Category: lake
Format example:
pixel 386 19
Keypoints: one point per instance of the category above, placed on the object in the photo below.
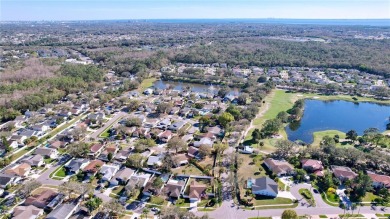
pixel 199 88
pixel 338 115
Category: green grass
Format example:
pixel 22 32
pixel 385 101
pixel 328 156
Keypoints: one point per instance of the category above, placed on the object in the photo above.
pixel 281 186
pixel 53 175
pixel 350 215
pixel 369 197
pixel 382 215
pixel 156 200
pixel 333 199
pixel 118 190
pixel 60 173
pixel 146 83
pixel 321 134
pixel 323 216
pixel 274 201
pixel 280 100
pixel 48 160
pixel 259 217
pixel 294 205
pixel 306 194
pixel 20 153
pixel 183 203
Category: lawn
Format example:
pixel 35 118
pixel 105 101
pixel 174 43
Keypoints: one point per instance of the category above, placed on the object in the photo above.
pixel 248 169
pixel 156 200
pixel 331 133
pixel 334 200
pixel 20 153
pixel 280 100
pixel 269 201
pixel 60 173
pixel 306 194
pixel 146 83
pixel 369 197
pixel 282 186
pixel 185 203
pixel 188 170
pixel 117 190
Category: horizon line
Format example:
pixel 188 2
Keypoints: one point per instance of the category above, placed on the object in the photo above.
pixel 127 19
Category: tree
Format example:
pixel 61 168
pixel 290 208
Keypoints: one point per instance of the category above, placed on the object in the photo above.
pixel 242 99
pixel 289 214
pixel 157 183
pixel 328 141
pixel 6 145
pixel 204 150
pixel 164 108
pixel 256 135
pixel 352 134
pixel 177 144
pixel 223 92
pixel 225 119
pixel 283 116
pixel 284 148
pixel 262 79
pixel 93 203
pixel 134 160
pixel 204 121
pixel 271 127
pixel 167 163
pixel 299 175
pixel 78 149
pixel 133 121
pixel 109 156
pixel 220 147
pixel 113 207
pixel 362 184
pixel 28 187
pixel 142 144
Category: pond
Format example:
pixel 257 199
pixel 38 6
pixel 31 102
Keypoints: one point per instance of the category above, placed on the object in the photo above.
pixel 199 88
pixel 338 115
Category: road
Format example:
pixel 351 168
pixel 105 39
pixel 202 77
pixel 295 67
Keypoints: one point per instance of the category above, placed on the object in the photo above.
pixel 95 135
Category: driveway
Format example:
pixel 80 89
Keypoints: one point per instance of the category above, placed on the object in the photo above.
pixel 317 196
pixel 96 134
pixel 45 179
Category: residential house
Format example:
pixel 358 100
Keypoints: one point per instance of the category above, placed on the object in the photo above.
pixel 263 186
pixel 35 160
pixel 27 212
pixel 95 150
pixel 8 179
pixel 139 180
pixel 165 136
pixel 379 181
pixel 93 167
pixel 197 191
pixel 122 155
pixel 122 176
pixel 149 190
pixel 40 128
pixel 155 160
pixel 42 199
pixel 110 149
pixel 57 144
pixel 177 126
pixel 279 167
pixel 164 124
pixel 75 165
pixel 108 171
pixel 18 138
pixel 216 130
pixel 193 152
pixel 11 143
pixel 313 166
pixel 343 173
pixel 174 188
pixel 246 150
pixel 63 211
pixel 29 133
pixel 21 170
pixel 204 141
pixel 47 152
pixel 180 160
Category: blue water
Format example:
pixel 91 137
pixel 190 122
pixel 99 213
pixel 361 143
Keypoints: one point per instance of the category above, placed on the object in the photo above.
pixel 339 115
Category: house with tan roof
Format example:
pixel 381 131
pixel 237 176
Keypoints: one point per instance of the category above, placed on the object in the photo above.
pixel 279 167
pixel 343 173
pixel 313 166
pixel 379 181
pixel 93 166
pixel 21 170
pixel 197 191
pixel 95 150
pixel 174 188
pixel 27 212
pixel 42 199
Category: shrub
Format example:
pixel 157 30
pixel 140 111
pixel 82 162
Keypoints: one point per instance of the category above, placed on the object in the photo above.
pixel 331 191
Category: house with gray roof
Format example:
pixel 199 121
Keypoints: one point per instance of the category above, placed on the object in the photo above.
pixel 63 211
pixel 263 186
pixel 75 165
pixel 108 171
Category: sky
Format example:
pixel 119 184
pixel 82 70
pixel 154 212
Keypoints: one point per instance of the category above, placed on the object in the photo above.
pixel 37 10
